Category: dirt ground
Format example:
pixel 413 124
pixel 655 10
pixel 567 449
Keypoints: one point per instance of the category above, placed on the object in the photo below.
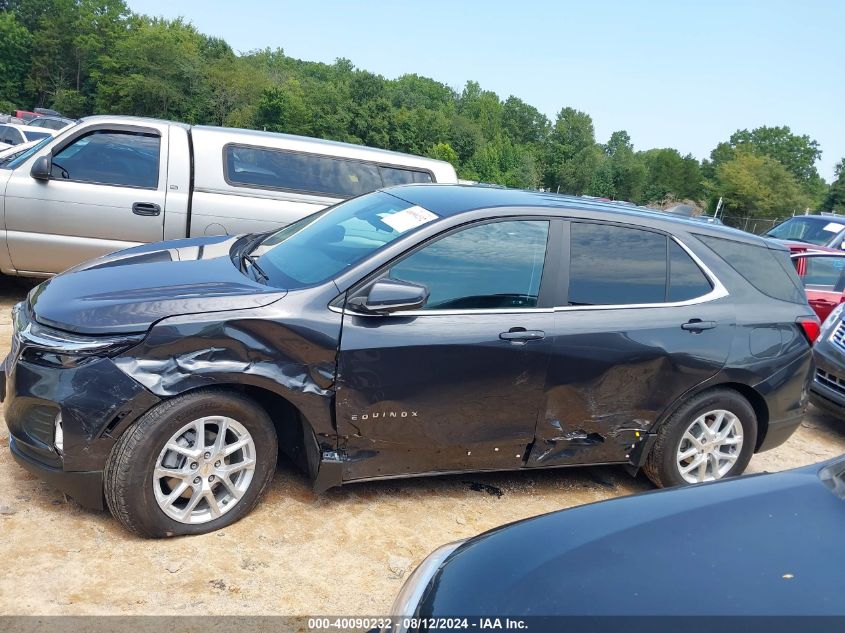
pixel 345 552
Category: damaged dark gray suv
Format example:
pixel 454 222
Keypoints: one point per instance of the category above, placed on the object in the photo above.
pixel 417 330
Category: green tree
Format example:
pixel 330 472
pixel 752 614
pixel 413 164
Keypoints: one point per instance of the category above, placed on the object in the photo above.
pixel 482 107
pixel 752 185
pixel 523 123
pixel 282 109
pixel 15 42
pixel 412 91
pixel 156 70
pixel 623 174
pixel 572 156
pixel 444 151
pixel 835 199
pixel 797 153
pixel 671 176
pixel 71 103
pixel 234 85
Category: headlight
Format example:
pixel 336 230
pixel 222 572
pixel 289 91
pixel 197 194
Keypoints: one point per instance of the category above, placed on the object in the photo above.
pixel 409 597
pixel 832 320
pixel 53 344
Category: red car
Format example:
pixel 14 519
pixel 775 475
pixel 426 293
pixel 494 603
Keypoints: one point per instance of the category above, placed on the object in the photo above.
pixel 810 233
pixel 823 276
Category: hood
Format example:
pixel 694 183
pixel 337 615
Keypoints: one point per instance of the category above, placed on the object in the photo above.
pixel 130 290
pixel 758 545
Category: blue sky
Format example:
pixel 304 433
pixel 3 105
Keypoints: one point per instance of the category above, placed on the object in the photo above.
pixel 676 73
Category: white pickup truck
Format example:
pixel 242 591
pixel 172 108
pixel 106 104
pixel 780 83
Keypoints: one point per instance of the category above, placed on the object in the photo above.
pixel 111 182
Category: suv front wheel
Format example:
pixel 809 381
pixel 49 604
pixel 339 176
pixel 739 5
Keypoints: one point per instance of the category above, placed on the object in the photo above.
pixel 710 437
pixel 191 465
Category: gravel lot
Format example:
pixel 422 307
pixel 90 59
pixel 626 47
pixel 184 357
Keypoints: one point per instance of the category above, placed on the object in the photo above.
pixel 345 552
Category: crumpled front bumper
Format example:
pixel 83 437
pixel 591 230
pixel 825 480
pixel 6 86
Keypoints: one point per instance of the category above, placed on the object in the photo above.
pixel 96 400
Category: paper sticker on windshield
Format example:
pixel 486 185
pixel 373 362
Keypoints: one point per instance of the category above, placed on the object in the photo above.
pixel 833 227
pixel 408 219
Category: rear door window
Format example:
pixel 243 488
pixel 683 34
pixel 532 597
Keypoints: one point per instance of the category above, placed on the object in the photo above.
pixel 613 265
pixel 686 280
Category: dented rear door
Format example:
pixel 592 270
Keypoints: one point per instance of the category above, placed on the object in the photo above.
pixel 623 350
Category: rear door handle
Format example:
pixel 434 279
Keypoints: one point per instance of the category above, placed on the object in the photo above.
pixel 146 208
pixel 521 335
pixel 697 325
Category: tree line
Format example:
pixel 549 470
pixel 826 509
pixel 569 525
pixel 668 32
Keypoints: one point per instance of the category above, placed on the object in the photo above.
pixel 97 56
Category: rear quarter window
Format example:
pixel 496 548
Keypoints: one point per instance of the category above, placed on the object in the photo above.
pixel 769 271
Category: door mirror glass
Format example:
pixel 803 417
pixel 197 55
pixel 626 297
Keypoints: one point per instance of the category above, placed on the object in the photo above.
pixel 41 168
pixel 390 295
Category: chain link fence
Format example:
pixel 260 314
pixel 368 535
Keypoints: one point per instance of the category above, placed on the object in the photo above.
pixel 758 226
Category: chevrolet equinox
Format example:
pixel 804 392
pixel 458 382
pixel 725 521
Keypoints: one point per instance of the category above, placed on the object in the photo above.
pixel 417 330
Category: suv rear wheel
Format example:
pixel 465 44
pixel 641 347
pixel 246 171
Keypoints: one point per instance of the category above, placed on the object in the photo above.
pixel 710 437
pixel 191 465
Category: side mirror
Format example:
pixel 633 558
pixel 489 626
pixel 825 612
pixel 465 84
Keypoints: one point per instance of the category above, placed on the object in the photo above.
pixel 390 295
pixel 42 168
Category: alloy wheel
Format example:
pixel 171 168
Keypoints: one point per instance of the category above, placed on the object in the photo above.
pixel 709 447
pixel 204 469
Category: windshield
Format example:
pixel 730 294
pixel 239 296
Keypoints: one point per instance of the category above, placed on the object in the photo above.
pixel 21 157
pixel 812 231
pixel 323 245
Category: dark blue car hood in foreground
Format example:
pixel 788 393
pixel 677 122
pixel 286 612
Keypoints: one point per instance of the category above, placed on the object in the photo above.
pixel 759 545
pixel 129 290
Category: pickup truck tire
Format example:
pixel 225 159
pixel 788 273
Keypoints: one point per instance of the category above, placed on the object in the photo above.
pixel 711 436
pixel 191 465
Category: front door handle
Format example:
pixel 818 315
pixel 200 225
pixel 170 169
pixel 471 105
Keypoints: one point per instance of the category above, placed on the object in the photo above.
pixel 146 208
pixel 697 325
pixel 521 335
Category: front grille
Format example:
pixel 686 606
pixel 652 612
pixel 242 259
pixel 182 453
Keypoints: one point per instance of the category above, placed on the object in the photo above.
pixel 838 336
pixel 830 381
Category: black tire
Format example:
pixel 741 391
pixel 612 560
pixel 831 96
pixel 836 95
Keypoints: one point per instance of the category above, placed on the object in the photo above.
pixel 661 466
pixel 128 475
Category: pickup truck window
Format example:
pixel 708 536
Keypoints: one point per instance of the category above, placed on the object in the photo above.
pixel 126 159
pixel 497 265
pixel 391 176
pixel 269 168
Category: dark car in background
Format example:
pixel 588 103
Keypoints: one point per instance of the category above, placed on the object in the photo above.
pixel 810 232
pixel 417 330
pixel 760 545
